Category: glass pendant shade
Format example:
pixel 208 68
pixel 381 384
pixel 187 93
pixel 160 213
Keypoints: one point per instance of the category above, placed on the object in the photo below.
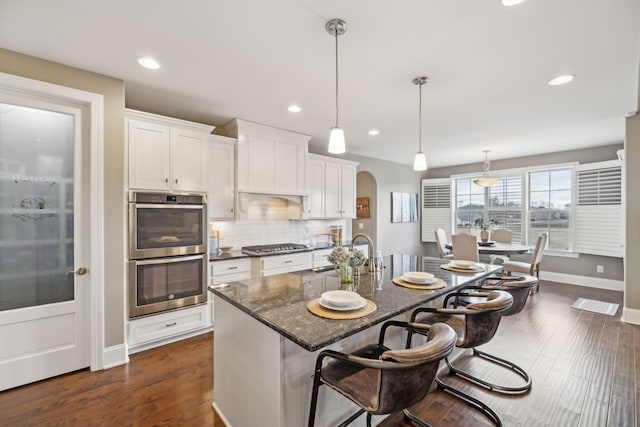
pixel 336 141
pixel 486 181
pixel 420 162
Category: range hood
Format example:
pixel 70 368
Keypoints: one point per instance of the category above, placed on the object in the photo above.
pixel 265 206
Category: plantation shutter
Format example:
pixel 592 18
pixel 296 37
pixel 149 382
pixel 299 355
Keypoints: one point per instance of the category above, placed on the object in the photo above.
pixel 436 207
pixel 599 228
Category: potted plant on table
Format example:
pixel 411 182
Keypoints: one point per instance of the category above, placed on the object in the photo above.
pixel 345 261
pixel 485 226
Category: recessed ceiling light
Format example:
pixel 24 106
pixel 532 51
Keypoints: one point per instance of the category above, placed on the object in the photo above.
pixel 373 132
pixel 294 109
pixel 561 80
pixel 149 63
pixel 511 2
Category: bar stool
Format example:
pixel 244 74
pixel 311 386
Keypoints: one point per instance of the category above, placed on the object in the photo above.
pixel 381 380
pixel 475 324
pixel 519 287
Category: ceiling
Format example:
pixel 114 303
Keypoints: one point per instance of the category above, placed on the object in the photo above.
pixel 487 66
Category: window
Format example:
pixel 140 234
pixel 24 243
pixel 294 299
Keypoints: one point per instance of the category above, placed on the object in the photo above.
pixel 550 207
pixel 527 202
pixel 470 203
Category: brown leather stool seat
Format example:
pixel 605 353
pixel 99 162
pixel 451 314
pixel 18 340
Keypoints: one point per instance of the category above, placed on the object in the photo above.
pixel 475 324
pixel 381 380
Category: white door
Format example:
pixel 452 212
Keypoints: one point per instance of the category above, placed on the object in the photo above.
pixel 44 323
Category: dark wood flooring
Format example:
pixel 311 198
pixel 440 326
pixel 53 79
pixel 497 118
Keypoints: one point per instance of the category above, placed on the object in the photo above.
pixel 583 367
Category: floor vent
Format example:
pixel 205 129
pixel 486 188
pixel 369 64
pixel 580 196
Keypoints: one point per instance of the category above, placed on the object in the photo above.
pixel 596 306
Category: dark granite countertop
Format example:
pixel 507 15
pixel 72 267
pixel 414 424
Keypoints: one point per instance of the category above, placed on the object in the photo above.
pixel 239 254
pixel 280 301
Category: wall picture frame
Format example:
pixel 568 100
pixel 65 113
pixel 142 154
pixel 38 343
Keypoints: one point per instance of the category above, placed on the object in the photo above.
pixel 404 207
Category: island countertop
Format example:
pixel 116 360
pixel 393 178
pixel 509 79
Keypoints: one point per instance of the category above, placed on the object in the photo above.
pixel 280 301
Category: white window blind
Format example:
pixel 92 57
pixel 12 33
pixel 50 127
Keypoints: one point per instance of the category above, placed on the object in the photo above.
pixel 436 207
pixel 598 212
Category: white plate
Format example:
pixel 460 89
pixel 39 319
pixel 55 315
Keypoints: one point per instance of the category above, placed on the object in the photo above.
pixel 463 264
pixel 340 298
pixel 355 306
pixel 418 276
pixel 429 281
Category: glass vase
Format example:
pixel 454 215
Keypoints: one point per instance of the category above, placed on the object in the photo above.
pixel 345 272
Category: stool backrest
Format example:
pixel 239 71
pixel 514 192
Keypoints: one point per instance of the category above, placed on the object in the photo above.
pixel 519 288
pixel 482 318
pixel 405 376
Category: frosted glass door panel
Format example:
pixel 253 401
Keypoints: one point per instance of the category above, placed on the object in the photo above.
pixel 36 207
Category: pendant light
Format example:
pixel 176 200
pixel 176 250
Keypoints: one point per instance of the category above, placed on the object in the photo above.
pixel 487 180
pixel 420 162
pixel 336 27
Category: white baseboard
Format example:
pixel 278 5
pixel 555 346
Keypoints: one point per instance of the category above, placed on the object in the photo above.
pixel 631 315
pixel 590 282
pixel 115 356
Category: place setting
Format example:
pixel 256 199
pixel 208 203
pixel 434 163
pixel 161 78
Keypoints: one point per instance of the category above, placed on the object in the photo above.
pixel 341 304
pixel 419 280
pixel 462 266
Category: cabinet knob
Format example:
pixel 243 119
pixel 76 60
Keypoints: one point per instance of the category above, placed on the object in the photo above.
pixel 166 180
pixel 176 180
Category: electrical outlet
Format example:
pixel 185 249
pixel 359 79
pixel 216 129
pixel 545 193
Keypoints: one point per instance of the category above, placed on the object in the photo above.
pixel 361 225
pixel 599 268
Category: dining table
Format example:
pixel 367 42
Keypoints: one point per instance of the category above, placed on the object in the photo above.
pixel 497 248
pixel 267 335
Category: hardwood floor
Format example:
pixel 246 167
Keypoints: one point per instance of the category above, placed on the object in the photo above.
pixel 583 367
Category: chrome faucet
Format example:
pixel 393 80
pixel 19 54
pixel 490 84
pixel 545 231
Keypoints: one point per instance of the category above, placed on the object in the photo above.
pixel 370 249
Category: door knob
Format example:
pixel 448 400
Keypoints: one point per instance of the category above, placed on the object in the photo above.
pixel 80 271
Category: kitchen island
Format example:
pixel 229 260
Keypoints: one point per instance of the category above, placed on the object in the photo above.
pixel 266 341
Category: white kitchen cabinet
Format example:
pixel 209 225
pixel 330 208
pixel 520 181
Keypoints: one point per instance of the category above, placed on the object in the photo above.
pixel 331 184
pixel 269 160
pixel 166 154
pixel 320 257
pixel 221 188
pixel 230 270
pixel 278 264
pixel 159 329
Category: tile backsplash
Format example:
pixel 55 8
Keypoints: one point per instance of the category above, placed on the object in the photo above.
pixel 266 231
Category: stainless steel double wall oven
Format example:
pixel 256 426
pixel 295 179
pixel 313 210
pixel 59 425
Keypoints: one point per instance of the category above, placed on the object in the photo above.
pixel 167 251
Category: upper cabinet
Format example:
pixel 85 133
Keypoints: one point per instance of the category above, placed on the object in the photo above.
pixel 166 154
pixel 221 195
pixel 331 184
pixel 269 160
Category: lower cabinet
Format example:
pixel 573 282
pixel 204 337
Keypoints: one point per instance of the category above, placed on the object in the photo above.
pixel 230 270
pixel 163 328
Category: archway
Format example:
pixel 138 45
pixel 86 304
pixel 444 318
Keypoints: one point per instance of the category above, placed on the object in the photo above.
pixel 366 220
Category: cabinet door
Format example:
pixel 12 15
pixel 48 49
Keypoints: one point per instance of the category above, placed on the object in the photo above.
pixel 348 187
pixel 289 167
pixel 189 154
pixel 149 155
pixel 333 202
pixel 221 182
pixel 315 187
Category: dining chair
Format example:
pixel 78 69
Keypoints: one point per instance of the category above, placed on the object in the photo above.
pixel 441 240
pixel 532 267
pixel 475 324
pixel 500 235
pixel 465 247
pixel 380 380
pixel 519 287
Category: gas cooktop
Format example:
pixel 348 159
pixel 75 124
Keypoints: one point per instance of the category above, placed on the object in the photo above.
pixel 278 248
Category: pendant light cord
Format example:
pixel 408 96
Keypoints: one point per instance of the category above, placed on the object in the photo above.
pixel 336 35
pixel 420 121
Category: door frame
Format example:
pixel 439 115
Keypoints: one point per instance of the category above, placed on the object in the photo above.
pixel 92 105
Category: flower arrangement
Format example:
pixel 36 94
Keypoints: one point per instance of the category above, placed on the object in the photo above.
pixel 485 225
pixel 342 256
